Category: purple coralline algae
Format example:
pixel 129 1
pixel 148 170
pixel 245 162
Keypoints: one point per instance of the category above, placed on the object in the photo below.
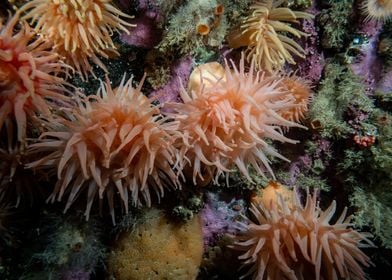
pixel 146 34
pixel 180 71
pixel 219 217
pixel 369 65
pixel 311 67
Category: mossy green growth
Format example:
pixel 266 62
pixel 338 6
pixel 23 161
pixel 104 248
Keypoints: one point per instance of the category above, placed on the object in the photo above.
pixel 335 23
pixel 367 172
pixel 182 31
pixel 339 89
pixel 299 4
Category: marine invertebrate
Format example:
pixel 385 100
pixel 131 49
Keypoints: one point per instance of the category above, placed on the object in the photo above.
pixel 80 30
pixel 300 90
pixel 298 242
pixel 113 142
pixel 28 77
pixel 141 254
pixel 377 9
pixel 263 35
pixel 227 120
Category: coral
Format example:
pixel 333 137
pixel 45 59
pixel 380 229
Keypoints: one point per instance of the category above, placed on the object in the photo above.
pixel 377 9
pixel 80 30
pixel 263 35
pixel 29 85
pixel 158 249
pixel 299 242
pixel 183 31
pixel 113 142
pixel 227 122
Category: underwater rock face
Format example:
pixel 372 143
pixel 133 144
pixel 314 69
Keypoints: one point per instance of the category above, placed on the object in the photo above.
pixel 158 249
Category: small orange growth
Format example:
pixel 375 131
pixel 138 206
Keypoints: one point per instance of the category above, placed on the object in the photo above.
pixel 364 141
pixel 219 10
pixel 203 29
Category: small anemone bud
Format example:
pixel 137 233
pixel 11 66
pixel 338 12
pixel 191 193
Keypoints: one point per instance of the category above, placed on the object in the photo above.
pixel 269 195
pixel 205 75
pixel 219 10
pixel 203 29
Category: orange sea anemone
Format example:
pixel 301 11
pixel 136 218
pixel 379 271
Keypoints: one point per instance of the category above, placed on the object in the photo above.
pixel 286 241
pixel 114 142
pixel 264 34
pixel 28 81
pixel 227 120
pixel 302 93
pixel 377 9
pixel 79 29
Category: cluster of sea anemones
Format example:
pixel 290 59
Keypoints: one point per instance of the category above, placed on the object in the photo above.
pixel 287 240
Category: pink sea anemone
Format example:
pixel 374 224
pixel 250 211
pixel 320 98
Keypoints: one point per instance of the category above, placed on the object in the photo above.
pixel 28 77
pixel 115 142
pixel 229 118
pixel 286 240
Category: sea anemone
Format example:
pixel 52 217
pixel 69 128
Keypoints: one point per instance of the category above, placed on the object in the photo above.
pixel 289 241
pixel 15 180
pixel 377 9
pixel 79 29
pixel 264 34
pixel 300 89
pixel 113 142
pixel 227 120
pixel 28 77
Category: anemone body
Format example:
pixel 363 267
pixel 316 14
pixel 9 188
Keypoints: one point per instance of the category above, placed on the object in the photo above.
pixel 289 241
pixel 113 142
pixel 300 89
pixel 264 34
pixel 28 77
pixel 227 119
pixel 79 29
